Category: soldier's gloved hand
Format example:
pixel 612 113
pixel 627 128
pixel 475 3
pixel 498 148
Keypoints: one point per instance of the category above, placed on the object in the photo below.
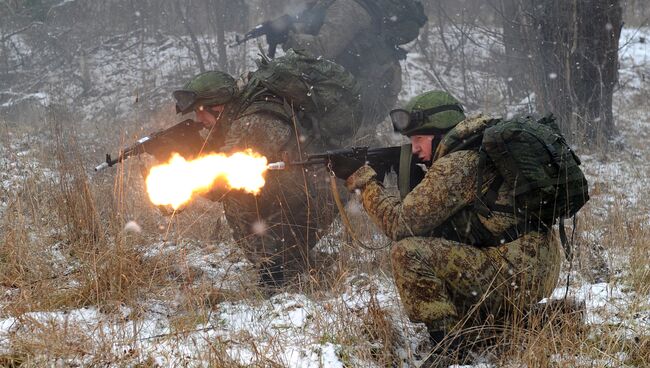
pixel 343 166
pixel 360 178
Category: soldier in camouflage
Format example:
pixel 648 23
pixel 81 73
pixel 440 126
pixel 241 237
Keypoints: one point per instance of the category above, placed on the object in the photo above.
pixel 454 267
pixel 277 227
pixel 364 37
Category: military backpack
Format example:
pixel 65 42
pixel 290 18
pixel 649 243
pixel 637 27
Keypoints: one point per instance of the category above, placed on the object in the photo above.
pixel 533 158
pixel 323 93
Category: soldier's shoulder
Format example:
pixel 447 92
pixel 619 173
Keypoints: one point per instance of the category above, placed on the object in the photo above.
pixel 350 8
pixel 470 156
pixel 260 116
pixel 466 135
pixel 473 123
pixel 463 161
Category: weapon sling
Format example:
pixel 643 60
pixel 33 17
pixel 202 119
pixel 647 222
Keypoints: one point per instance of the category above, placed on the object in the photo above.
pixel 344 215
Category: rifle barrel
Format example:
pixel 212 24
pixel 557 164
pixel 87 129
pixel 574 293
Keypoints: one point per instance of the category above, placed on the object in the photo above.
pixel 101 166
pixel 280 165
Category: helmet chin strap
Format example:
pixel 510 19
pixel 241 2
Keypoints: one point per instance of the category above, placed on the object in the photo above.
pixel 435 142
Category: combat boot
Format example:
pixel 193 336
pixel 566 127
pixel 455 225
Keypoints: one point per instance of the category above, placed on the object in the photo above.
pixel 447 349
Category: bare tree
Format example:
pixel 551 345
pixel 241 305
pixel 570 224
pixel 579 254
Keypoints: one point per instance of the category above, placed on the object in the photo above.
pixel 566 52
pixel 221 7
pixel 196 47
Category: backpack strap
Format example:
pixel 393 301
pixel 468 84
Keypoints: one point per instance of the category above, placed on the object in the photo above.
pixel 564 239
pixel 486 204
pixel 404 177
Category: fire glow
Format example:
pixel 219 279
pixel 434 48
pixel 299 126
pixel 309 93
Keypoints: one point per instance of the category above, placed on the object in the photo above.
pixel 174 182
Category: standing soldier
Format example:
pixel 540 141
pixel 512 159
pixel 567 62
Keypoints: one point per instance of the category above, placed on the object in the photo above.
pixel 363 36
pixel 291 105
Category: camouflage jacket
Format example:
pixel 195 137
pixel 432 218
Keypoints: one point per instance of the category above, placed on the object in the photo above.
pixel 442 203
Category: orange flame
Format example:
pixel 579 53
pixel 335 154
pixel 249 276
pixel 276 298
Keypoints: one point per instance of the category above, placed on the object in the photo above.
pixel 174 182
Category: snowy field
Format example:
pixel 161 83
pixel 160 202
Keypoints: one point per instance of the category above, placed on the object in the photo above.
pixel 201 318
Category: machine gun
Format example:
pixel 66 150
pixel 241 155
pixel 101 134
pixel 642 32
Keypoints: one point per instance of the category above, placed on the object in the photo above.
pixel 276 32
pixel 183 138
pixel 382 160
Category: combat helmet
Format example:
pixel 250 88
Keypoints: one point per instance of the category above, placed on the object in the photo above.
pixel 433 112
pixel 206 89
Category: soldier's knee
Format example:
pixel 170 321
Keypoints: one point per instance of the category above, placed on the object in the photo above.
pixel 403 251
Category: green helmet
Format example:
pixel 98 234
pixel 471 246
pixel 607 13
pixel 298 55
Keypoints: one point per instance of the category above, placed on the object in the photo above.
pixel 429 113
pixel 207 89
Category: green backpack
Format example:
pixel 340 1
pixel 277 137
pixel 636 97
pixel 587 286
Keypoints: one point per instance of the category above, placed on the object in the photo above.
pixel 323 92
pixel 533 158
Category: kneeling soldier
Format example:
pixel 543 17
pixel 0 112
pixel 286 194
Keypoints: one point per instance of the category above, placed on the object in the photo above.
pixel 454 265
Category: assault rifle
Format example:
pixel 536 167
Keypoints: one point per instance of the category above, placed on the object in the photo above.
pixel 382 160
pixel 183 138
pixel 276 32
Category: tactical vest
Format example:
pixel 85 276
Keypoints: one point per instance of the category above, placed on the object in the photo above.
pixel 527 156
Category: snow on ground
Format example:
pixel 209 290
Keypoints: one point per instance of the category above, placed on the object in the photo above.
pixel 619 182
pixel 288 329
pixel 140 77
pixel 634 57
pixel 18 163
pixel 293 329
pixel 607 303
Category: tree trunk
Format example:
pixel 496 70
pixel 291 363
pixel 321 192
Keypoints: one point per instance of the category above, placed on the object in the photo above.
pixel 566 51
pixel 195 42
pixel 221 9
pixel 595 66
pixel 515 50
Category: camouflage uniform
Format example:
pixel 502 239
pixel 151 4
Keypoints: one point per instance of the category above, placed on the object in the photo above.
pixel 440 277
pixel 277 227
pixel 349 37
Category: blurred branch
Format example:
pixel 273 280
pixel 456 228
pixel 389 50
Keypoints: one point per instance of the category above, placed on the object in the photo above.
pixel 11 10
pixel 21 30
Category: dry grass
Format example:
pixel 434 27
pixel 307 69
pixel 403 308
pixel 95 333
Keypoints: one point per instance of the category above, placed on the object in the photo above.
pixel 63 246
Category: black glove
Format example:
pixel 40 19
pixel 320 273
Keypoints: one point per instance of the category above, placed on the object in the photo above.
pixel 344 166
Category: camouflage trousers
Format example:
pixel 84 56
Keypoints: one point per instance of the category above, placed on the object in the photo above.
pixel 277 228
pixel 442 282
